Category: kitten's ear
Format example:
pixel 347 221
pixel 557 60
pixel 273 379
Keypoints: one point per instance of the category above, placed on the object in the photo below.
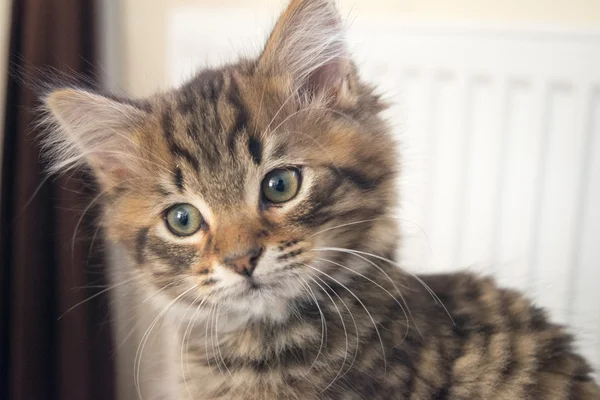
pixel 87 127
pixel 308 45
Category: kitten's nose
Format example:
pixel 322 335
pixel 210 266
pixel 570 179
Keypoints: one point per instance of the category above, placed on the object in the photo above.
pixel 244 264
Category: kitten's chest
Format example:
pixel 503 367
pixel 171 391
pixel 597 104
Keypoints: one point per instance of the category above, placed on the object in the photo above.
pixel 250 365
pixel 216 382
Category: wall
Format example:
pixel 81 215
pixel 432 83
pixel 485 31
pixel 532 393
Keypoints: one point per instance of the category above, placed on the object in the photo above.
pixel 144 24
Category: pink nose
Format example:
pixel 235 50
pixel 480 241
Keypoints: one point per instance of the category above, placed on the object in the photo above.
pixel 245 264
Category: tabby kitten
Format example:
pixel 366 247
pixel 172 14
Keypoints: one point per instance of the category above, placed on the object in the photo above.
pixel 256 203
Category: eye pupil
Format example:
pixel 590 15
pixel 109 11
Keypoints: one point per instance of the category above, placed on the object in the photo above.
pixel 277 184
pixel 182 217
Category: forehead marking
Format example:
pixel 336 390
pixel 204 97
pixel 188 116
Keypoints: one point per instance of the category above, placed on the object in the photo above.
pixel 175 148
pixel 255 149
pixel 179 179
pixel 242 117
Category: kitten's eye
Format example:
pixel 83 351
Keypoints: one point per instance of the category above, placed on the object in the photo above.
pixel 281 185
pixel 183 219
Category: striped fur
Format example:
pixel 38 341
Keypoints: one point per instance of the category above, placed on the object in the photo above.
pixel 327 313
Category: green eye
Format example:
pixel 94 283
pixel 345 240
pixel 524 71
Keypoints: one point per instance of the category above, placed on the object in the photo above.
pixel 281 185
pixel 183 219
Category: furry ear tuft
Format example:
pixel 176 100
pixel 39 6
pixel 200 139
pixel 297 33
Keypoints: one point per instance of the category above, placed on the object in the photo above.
pixel 85 127
pixel 308 44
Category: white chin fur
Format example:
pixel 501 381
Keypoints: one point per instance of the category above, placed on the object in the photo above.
pixel 237 308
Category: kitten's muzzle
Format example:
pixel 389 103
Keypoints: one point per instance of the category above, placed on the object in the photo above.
pixel 244 264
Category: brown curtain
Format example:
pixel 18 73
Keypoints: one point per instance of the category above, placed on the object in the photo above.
pixel 42 273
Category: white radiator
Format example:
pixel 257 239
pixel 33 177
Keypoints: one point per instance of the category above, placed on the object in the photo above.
pixel 500 131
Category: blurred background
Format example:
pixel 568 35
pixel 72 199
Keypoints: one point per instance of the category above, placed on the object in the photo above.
pixel 496 104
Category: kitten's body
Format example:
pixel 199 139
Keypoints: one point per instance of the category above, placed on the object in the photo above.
pixel 296 298
pixel 498 346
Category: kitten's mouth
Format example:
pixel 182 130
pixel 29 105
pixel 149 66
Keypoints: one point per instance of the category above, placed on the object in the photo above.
pixel 249 286
pixel 252 284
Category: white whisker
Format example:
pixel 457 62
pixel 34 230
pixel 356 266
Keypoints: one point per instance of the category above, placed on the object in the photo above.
pixel 345 333
pixel 185 344
pixel 363 306
pixel 431 292
pixel 140 350
pixel 353 321
pixel 323 324
pixel 94 296
pixel 378 219
pixel 379 286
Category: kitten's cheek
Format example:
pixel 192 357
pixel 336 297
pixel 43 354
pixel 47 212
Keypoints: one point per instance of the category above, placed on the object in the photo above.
pixel 201 269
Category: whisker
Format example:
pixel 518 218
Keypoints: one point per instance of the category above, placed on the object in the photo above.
pixel 352 252
pixel 378 219
pixel 213 330
pixel 186 372
pixel 353 321
pixel 92 243
pixel 94 296
pixel 219 353
pixel 323 324
pixel 208 322
pixel 127 336
pixel 134 327
pixel 429 290
pixel 363 306
pixel 379 286
pixel 312 108
pixel 292 95
pixel 345 333
pixel 35 192
pixel 144 340
pixel 177 282
pixel 181 352
pixel 344 225
pixel 291 116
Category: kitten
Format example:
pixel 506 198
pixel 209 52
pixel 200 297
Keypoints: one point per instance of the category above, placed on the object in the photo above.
pixel 256 201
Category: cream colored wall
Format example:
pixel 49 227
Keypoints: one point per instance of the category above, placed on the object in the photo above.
pixel 144 31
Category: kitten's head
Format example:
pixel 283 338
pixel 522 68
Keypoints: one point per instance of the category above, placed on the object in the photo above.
pixel 235 188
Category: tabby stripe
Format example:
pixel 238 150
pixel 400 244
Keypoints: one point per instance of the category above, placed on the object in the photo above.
pixel 442 394
pixel 242 118
pixel 215 87
pixel 446 352
pixel 179 179
pixel 357 178
pixel 509 366
pixel 193 130
pixel 175 255
pixel 187 156
pixel 174 147
pixel 208 148
pixel 317 217
pixel 140 243
pixel 255 149
pixel 162 191
pixel 289 358
pixel 187 101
